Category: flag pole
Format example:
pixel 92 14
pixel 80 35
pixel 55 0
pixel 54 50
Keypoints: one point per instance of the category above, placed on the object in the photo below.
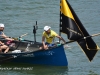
pixel 60 22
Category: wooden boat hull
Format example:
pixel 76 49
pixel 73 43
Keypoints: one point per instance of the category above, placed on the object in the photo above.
pixel 53 57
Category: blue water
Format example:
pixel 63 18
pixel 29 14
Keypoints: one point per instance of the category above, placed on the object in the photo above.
pixel 19 16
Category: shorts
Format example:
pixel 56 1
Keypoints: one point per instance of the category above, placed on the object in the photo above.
pixel 50 44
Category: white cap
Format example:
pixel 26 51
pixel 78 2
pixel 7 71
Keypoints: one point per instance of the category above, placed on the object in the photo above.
pixel 2 25
pixel 46 28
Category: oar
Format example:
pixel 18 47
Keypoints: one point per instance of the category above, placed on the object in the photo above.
pixel 16 38
pixel 24 35
pixel 83 38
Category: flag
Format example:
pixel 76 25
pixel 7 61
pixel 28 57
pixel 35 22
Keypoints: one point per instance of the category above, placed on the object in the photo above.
pixel 72 26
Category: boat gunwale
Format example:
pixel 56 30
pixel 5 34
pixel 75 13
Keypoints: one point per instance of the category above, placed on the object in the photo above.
pixel 29 51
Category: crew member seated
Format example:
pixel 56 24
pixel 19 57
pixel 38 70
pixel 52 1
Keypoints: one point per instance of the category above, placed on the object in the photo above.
pixel 3 47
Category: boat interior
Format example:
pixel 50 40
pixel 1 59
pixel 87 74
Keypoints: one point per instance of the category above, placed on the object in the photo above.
pixel 23 46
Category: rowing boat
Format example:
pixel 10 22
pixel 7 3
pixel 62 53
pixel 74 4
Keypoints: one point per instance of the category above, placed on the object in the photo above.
pixel 28 52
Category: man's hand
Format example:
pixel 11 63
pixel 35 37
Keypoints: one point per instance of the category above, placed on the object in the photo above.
pixel 45 47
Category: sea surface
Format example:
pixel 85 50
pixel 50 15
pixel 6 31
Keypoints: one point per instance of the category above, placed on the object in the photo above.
pixel 19 17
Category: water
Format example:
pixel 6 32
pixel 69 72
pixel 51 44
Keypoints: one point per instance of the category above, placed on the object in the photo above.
pixel 19 16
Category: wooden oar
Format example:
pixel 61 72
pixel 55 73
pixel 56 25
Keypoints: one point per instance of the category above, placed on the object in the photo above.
pixel 16 38
pixel 83 38
pixel 24 35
